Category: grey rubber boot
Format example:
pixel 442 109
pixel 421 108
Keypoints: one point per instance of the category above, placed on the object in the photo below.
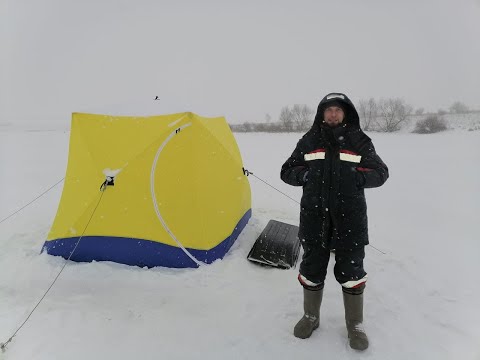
pixel 354 317
pixel 311 318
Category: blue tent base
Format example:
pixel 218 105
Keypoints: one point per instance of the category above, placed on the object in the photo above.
pixel 139 252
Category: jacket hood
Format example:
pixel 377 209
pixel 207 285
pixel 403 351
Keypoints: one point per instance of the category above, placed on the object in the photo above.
pixel 351 115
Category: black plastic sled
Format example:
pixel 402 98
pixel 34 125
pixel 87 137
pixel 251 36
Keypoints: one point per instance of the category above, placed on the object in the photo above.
pixel 277 246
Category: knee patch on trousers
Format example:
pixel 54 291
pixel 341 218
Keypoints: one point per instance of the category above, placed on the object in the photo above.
pixel 309 285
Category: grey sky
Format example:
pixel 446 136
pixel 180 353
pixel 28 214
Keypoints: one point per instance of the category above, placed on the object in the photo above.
pixel 240 59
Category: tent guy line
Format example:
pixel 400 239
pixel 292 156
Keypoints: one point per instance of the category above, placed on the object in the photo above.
pixel 31 202
pixel 247 172
pixel 3 346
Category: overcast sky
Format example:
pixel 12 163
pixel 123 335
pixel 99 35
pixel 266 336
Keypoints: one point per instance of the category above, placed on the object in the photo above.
pixel 239 59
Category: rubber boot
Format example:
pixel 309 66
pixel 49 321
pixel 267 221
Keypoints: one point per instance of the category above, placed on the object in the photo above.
pixel 353 301
pixel 312 299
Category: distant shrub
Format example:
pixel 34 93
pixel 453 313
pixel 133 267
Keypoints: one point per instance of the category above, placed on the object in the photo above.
pixel 459 108
pixel 431 124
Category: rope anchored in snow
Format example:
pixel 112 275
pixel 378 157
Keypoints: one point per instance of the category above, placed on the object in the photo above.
pixel 247 173
pixel 3 346
pixel 31 202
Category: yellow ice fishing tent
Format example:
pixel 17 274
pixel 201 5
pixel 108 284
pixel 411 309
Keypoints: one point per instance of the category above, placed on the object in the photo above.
pixel 164 190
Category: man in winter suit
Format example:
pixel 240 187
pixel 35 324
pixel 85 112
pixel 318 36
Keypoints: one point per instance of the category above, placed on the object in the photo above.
pixel 334 162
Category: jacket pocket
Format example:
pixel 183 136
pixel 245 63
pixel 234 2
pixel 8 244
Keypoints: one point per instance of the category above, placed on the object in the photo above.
pixel 349 179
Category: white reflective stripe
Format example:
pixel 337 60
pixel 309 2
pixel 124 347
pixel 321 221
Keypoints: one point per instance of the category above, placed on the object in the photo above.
pixel 152 190
pixel 315 156
pixel 353 283
pixel 350 157
pixel 308 282
pixel 335 96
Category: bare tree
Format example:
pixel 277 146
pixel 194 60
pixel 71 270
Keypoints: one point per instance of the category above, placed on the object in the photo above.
pixel 368 111
pixel 308 114
pixel 302 116
pixel 286 118
pixel 267 118
pixel 459 108
pixel 393 113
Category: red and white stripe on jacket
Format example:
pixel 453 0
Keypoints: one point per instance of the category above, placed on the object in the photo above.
pixel 350 156
pixel 318 154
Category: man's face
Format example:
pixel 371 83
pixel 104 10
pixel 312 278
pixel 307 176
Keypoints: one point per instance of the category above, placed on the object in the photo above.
pixel 333 116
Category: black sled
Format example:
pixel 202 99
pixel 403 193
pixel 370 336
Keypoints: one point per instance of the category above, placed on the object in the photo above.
pixel 277 246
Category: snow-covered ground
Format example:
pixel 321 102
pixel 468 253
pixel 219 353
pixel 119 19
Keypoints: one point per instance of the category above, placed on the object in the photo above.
pixel 422 297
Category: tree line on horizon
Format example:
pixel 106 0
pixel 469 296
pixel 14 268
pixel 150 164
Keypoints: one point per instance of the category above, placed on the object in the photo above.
pixel 384 115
